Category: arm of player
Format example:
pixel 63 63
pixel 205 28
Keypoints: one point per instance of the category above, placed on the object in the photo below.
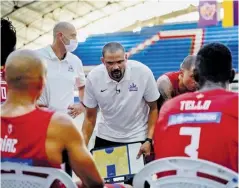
pixel 165 89
pixel 80 158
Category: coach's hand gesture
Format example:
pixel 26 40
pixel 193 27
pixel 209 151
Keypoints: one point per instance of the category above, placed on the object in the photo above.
pixel 75 110
pixel 144 149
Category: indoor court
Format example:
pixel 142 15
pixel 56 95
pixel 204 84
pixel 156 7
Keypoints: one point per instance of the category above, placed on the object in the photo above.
pixel 118 62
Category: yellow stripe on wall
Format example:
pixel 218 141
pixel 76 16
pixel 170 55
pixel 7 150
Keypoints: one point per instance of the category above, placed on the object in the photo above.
pixel 227 20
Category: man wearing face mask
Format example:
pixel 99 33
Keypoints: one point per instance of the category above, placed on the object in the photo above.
pixel 126 93
pixel 64 72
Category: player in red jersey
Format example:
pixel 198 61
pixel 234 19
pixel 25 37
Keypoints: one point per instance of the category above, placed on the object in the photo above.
pixel 8 44
pixel 172 84
pixel 203 124
pixel 38 137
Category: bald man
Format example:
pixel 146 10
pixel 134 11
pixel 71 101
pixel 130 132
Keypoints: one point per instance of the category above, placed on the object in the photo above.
pixel 25 76
pixel 65 72
pixel 172 84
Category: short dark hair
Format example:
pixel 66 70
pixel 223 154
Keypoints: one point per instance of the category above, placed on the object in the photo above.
pixel 8 39
pixel 214 63
pixel 112 47
pixel 188 62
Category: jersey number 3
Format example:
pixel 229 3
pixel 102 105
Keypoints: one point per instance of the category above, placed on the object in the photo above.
pixel 194 132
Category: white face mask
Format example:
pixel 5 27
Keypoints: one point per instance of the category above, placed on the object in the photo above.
pixel 72 46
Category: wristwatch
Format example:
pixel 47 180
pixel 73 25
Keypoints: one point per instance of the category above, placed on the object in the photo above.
pixel 149 140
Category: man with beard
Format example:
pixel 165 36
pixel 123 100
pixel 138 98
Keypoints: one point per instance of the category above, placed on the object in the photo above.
pixel 126 93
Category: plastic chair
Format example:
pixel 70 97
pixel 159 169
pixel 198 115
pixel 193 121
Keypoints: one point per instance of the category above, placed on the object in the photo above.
pixel 186 174
pixel 20 179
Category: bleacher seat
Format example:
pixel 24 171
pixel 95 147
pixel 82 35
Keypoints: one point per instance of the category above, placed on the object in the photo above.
pixel 186 174
pixel 29 177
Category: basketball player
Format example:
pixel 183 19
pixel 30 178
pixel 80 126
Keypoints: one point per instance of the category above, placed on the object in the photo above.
pixel 35 136
pixel 172 84
pixel 203 124
pixel 8 43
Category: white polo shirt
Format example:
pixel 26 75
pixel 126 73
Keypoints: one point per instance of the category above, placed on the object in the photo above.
pixel 124 111
pixel 62 79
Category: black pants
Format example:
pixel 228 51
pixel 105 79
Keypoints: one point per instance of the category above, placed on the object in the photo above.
pixel 102 143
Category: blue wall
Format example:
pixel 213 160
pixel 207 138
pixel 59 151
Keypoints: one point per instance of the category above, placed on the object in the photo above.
pixel 165 54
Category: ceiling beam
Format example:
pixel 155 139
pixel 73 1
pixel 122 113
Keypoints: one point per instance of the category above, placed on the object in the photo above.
pixel 159 20
pixel 50 12
pixel 81 17
pixel 26 25
pixel 107 15
pixel 73 11
pixel 34 10
pixel 96 8
pixel 16 8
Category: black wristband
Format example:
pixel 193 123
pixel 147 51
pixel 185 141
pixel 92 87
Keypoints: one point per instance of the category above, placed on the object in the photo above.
pixel 149 140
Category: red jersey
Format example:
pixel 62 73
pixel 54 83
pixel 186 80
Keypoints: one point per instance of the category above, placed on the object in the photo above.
pixel 200 125
pixel 23 138
pixel 173 77
pixel 3 86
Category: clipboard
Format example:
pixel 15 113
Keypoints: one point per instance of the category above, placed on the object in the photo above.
pixel 115 164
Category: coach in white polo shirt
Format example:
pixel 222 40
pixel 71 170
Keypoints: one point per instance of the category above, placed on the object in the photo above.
pixel 64 71
pixel 126 93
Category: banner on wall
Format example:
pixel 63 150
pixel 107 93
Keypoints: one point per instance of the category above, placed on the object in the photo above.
pixel 207 13
pixel 230 8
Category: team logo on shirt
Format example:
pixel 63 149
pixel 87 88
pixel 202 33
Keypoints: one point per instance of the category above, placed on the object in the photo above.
pixel 9 130
pixel 199 96
pixel 70 68
pixel 133 87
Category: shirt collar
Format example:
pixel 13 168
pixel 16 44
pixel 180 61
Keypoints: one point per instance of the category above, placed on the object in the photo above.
pixel 126 74
pixel 52 54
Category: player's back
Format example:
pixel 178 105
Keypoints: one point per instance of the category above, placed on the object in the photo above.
pixel 200 125
pixel 23 138
pixel 174 79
